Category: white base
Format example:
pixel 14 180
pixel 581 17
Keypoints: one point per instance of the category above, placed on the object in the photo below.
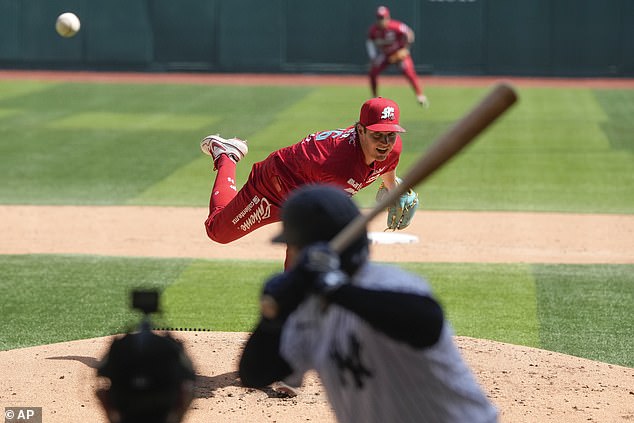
pixel 392 238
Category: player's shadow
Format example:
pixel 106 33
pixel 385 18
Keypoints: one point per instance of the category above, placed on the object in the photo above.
pixel 204 387
pixel 91 362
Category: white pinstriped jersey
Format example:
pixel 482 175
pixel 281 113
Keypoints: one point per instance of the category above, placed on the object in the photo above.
pixel 368 376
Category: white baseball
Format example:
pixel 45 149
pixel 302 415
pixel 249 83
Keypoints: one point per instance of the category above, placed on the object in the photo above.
pixel 67 24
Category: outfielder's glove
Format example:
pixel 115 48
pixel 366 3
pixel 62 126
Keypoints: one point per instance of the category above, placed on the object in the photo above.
pixel 398 55
pixel 401 213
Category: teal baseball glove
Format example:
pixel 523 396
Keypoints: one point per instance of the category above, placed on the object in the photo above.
pixel 400 214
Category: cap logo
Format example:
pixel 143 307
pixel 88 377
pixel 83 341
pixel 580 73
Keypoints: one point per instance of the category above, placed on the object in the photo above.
pixel 388 113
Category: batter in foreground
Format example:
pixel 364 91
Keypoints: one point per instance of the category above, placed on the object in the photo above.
pixel 374 333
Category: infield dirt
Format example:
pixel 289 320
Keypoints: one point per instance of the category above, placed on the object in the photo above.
pixel 526 384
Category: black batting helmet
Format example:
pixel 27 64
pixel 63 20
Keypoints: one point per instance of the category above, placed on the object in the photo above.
pixel 318 212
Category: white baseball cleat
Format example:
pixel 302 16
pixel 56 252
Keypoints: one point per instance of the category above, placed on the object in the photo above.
pixel 215 146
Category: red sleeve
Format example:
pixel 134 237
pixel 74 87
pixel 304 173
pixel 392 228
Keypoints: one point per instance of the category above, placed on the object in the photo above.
pixel 402 29
pixel 333 157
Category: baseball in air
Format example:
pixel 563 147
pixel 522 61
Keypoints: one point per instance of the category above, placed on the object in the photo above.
pixel 67 24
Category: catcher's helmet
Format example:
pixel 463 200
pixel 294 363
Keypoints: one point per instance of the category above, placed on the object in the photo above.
pixel 146 371
pixel 318 212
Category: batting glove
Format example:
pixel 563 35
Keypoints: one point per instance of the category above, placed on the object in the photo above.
pixel 320 266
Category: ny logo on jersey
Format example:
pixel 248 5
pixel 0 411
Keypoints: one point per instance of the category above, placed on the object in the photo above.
pixel 352 363
pixel 388 113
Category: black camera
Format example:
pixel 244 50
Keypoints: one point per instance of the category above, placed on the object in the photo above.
pixel 147 301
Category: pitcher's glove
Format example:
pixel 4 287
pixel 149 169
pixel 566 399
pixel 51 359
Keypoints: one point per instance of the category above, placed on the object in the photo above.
pixel 398 55
pixel 401 213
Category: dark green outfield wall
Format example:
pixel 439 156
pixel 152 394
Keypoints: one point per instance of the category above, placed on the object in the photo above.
pixel 511 37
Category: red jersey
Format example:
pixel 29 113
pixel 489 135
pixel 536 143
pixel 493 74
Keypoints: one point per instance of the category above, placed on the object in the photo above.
pixel 390 39
pixel 333 157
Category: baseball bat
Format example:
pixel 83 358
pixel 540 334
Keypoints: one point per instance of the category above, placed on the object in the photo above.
pixel 498 101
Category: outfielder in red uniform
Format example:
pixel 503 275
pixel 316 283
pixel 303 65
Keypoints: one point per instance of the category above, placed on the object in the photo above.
pixel 388 44
pixel 350 158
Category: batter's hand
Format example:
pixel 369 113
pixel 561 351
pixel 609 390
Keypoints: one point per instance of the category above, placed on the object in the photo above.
pixel 316 270
pixel 320 265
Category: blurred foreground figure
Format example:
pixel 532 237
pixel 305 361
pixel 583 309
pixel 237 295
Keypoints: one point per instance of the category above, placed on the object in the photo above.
pixel 150 378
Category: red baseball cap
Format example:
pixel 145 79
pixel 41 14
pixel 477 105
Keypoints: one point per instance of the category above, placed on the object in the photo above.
pixel 382 12
pixel 380 115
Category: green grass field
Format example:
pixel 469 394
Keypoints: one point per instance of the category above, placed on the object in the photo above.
pixel 566 150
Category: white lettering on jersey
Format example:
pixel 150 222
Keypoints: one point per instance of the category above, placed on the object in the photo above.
pixel 327 134
pixel 372 178
pixel 354 186
pixel 246 210
pixel 262 212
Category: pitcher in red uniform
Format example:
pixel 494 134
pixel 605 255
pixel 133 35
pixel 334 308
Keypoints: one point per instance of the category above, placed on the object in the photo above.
pixel 351 158
pixel 388 44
